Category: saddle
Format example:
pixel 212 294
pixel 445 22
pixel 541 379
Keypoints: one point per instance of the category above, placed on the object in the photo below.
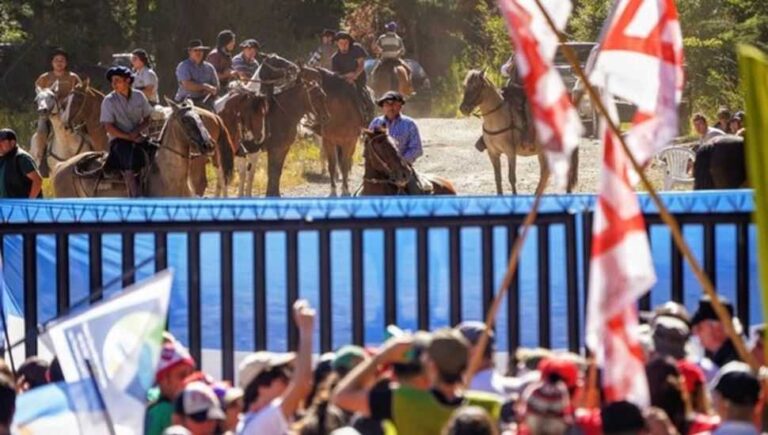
pixel 94 165
pixel 422 185
pixel 514 95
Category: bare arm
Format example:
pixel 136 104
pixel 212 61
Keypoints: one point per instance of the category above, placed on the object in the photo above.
pixel 301 383
pixel 37 184
pixel 132 136
pixel 192 86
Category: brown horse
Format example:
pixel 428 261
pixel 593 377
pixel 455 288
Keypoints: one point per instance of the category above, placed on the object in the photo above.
pixel 184 135
pixel 286 109
pixel 340 134
pixel 223 155
pixel 388 173
pixel 504 133
pixel 82 110
pixel 390 75
pixel 720 164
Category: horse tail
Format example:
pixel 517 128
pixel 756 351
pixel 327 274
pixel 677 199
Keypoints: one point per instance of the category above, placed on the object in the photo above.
pixel 226 150
pixel 702 176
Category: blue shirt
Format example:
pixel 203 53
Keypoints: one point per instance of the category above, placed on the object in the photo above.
pixel 405 132
pixel 199 73
pixel 125 113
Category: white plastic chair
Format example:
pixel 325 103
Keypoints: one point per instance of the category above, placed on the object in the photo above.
pixel 678 164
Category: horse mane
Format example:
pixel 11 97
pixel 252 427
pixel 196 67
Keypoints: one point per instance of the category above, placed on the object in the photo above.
pixel 472 74
pixel 332 82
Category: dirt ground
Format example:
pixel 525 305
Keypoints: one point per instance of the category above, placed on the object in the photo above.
pixel 449 152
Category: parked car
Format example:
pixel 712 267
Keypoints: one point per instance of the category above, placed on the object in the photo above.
pixel 420 104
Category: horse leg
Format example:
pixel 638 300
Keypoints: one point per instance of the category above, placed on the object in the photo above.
pixel 275 161
pixel 512 169
pixel 346 167
pixel 543 172
pixel 253 159
pixel 573 172
pixel 496 163
pixel 221 184
pixel 197 178
pixel 241 164
pixel 332 156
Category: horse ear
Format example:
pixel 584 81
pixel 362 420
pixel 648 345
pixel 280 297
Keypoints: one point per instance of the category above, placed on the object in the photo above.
pixel 38 89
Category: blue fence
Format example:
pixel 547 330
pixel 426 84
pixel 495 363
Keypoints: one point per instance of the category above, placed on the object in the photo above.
pixel 417 262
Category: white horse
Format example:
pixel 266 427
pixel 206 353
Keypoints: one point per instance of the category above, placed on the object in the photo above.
pixel 64 143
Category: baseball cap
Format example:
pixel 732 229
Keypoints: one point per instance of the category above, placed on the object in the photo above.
pixel 621 417
pixel 257 363
pixel 736 383
pixel 564 369
pixel 705 310
pixel 7 134
pixel 171 355
pixel 547 399
pixel 199 402
pixel 348 357
pixel 449 350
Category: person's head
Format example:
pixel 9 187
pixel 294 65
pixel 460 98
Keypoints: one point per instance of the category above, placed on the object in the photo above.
pixel 7 401
pixel 699 123
pixel 622 418
pixel 232 402
pixel 140 59
pixel 470 420
pixel 33 370
pixel 666 388
pixel 121 79
pixel 563 368
pixel 472 331
pixel 391 26
pixel 737 122
pixel 198 409
pixel 264 376
pixel 225 40
pixel 196 50
pixel 175 366
pixel 707 326
pixel 528 359
pixel 59 60
pixel 343 41
pixel 412 372
pixel 54 373
pixel 327 36
pixel 669 335
pixel 545 407
pixel 723 116
pixel 250 48
pixel 347 358
pixel 7 141
pixel 695 385
pixel 447 357
pixel 735 392
pixel 391 104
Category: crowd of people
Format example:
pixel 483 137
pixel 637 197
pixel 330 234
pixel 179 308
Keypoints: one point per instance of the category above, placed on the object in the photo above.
pixel 727 123
pixel 417 383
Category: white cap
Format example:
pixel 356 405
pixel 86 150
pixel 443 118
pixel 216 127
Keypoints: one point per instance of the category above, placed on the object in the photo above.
pixel 257 363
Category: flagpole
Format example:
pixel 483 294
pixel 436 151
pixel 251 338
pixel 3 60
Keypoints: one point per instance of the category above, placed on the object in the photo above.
pixel 666 216
pixel 100 397
pixel 514 256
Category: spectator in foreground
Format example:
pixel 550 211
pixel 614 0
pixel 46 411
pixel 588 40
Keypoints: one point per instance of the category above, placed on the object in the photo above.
pixel 736 394
pixel 470 420
pixel 7 403
pixel 711 333
pixel 704 131
pixel 198 409
pixel 545 409
pixel 272 393
pixel 31 374
pixel 175 365
pixel 19 177
pixel 486 378
pixel 696 386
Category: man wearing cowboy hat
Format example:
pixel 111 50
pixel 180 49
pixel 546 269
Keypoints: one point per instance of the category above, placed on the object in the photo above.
pixel 197 78
pixel 400 127
pixel 125 115
pixel 323 55
pixel 349 63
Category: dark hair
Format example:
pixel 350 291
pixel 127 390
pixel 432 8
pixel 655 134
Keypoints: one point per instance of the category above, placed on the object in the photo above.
pixel 451 378
pixel 142 55
pixel 54 371
pixel 470 420
pixel 698 116
pixel 666 390
pixel 723 113
pixel 33 369
pixel 251 392
pixel 223 38
pixel 7 400
pixel 58 52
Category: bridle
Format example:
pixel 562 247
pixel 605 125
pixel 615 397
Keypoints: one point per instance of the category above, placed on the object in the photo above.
pixel 399 184
pixel 70 99
pixel 56 109
pixel 479 114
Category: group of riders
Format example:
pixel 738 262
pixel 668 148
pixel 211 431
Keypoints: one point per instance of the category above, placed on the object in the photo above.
pixel 203 76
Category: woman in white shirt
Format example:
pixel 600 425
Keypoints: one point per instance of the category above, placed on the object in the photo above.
pixel 146 79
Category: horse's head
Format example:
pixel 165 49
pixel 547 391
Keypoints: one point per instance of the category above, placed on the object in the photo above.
pixel 474 85
pixel 74 105
pixel 45 100
pixel 186 118
pixel 316 101
pixel 381 156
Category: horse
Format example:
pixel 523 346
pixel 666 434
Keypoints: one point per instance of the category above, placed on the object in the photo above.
pixel 503 132
pixel 244 115
pixel 388 173
pixel 390 75
pixel 720 164
pixel 184 134
pixel 82 109
pixel 340 134
pixel 223 156
pixel 64 143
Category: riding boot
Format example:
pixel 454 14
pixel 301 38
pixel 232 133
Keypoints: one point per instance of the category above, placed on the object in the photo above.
pixel 132 183
pixel 480 144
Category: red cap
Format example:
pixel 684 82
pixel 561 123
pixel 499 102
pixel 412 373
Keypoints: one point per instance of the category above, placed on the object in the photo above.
pixel 565 369
pixel 171 355
pixel 692 374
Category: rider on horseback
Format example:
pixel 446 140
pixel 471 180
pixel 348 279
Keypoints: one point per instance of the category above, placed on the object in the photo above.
pixel 323 55
pixel 391 48
pixel 197 78
pixel 349 62
pixel 125 115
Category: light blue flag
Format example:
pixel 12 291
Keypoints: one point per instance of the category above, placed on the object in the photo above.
pixel 13 316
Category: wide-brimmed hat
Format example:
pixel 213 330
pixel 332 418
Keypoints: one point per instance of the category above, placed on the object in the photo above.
pixel 197 44
pixel 706 310
pixel 120 71
pixel 391 96
pixel 343 35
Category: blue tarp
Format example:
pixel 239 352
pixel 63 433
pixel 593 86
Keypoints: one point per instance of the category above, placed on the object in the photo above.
pixel 103 211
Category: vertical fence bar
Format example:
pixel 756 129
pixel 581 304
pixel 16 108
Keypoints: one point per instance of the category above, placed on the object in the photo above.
pixel 586 232
pixel 129 274
pixel 544 293
pixel 742 270
pixel 572 285
pixel 227 309
pixel 259 291
pixel 676 260
pixel 94 266
pixel 30 293
pixel 62 273
pixel 193 294
pixel 455 260
pixel 390 299
pixel 358 315
pixel 488 281
pixel 292 258
pixel 645 300
pixel 710 251
pixel 326 317
pixel 513 298
pixel 161 251
pixel 422 242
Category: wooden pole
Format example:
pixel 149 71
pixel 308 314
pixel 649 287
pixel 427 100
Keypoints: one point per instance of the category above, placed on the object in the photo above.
pixel 666 216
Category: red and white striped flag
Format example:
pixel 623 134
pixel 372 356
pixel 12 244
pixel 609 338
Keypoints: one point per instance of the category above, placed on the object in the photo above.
pixel 621 270
pixel 558 126
pixel 641 60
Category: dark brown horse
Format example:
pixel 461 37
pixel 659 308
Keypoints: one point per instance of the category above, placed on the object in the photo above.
pixel 390 75
pixel 340 134
pixel 388 173
pixel 286 109
pixel 720 164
